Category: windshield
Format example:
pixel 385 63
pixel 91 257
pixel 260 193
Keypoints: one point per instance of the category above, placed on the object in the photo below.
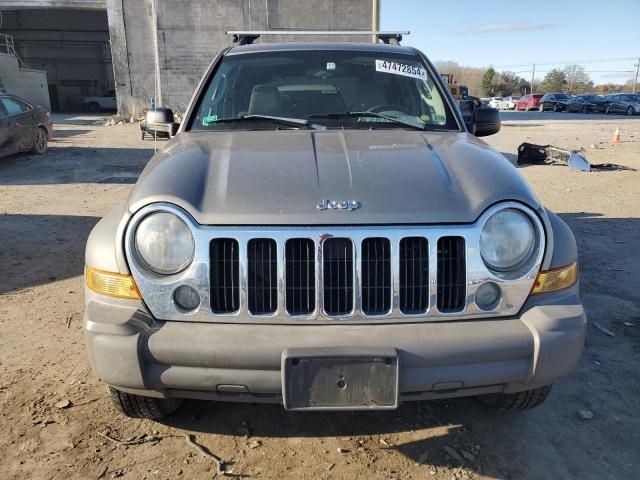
pixel 326 87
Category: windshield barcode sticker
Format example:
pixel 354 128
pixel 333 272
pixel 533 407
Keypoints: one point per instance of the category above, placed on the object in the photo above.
pixel 401 69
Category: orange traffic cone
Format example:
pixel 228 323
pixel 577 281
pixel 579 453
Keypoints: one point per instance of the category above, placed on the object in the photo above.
pixel 616 136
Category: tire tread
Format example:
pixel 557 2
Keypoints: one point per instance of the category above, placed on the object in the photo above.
pixel 138 406
pixel 514 402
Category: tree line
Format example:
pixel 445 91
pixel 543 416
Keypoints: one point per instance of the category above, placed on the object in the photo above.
pixel 487 82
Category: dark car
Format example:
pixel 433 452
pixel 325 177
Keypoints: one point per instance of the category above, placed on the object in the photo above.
pixel 554 101
pixel 628 103
pixel 528 102
pixel 586 103
pixel 23 126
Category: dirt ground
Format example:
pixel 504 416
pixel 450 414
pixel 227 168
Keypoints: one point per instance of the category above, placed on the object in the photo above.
pixel 48 205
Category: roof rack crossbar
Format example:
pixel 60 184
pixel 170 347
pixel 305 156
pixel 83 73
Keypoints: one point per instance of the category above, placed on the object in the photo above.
pixel 247 37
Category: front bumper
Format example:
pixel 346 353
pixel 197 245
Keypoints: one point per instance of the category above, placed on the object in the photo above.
pixel 241 362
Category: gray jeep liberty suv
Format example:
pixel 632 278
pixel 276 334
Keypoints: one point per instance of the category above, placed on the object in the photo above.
pixel 326 232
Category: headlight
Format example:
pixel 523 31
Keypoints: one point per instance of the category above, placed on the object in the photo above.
pixel 507 241
pixel 164 243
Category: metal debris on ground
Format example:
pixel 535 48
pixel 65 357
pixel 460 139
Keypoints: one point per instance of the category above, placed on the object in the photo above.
pixel 531 154
pixel 603 329
pixel 136 441
pixel 220 464
pixel 452 452
pixel 585 414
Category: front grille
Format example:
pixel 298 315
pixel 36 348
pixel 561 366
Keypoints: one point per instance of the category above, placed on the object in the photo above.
pixel 300 261
pixel 451 274
pixel 414 275
pixel 338 276
pixel 376 276
pixel 225 275
pixel 262 276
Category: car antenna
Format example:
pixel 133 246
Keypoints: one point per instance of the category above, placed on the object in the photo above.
pixel 247 37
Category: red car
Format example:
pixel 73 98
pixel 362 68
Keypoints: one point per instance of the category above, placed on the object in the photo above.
pixel 529 102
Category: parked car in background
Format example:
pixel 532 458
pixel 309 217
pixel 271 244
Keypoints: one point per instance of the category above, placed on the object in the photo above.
pixel 23 126
pixel 508 103
pixel 586 103
pixel 495 101
pixel 628 103
pixel 528 102
pixel 107 101
pixel 554 101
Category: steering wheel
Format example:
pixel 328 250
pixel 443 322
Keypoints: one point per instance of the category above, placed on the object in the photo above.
pixel 386 108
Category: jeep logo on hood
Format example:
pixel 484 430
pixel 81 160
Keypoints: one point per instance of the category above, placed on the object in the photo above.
pixel 338 204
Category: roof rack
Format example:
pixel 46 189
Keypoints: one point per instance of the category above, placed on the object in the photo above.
pixel 247 37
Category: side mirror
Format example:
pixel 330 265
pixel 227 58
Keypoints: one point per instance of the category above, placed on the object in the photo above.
pixel 486 121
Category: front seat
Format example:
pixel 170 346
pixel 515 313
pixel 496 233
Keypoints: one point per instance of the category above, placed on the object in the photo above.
pixel 369 95
pixel 265 100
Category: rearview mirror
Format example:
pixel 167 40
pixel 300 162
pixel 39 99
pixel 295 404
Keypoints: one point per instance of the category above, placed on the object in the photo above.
pixel 485 121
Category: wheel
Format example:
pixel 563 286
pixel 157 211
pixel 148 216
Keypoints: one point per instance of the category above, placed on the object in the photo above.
pixel 585 109
pixel 556 107
pixel 541 108
pixel 40 141
pixel 513 402
pixel 607 111
pixel 631 111
pixel 94 107
pixel 138 406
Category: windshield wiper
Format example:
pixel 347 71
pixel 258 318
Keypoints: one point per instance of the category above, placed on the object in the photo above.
pixel 291 122
pixel 388 118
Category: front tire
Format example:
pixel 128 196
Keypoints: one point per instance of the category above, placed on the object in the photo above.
pixel 514 402
pixel 40 141
pixel 631 111
pixel 138 406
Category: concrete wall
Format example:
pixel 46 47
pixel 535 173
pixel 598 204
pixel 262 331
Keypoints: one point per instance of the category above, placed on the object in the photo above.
pixel 28 84
pixel 189 33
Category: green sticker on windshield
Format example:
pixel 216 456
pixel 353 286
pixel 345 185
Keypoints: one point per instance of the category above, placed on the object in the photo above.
pixel 209 119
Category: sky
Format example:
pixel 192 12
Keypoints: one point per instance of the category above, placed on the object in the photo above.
pixel 512 35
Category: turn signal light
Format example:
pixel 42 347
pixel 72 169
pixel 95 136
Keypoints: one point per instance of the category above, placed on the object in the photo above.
pixel 112 284
pixel 556 279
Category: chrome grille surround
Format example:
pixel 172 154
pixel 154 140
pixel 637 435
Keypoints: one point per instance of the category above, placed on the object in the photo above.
pixel 157 290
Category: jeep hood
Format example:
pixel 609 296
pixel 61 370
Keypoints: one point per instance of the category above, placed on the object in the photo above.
pixel 279 177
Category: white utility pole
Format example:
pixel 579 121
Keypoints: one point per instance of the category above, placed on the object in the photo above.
pixel 533 72
pixel 635 80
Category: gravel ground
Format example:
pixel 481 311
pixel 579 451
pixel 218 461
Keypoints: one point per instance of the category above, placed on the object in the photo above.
pixel 52 409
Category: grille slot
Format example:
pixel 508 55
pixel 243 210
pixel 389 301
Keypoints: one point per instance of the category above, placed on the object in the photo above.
pixel 376 276
pixel 451 274
pixel 414 275
pixel 300 276
pixel 338 276
pixel 225 275
pixel 262 276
